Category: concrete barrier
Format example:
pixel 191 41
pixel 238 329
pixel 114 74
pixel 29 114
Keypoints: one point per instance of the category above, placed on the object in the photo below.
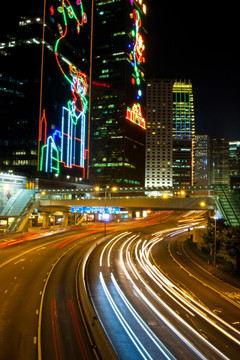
pixel 98 338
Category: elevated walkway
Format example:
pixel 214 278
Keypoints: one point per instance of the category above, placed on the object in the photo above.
pixel 228 205
pixel 17 203
pixel 133 203
pixel 20 207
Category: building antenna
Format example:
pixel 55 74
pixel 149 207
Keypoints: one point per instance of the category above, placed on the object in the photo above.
pixel 41 82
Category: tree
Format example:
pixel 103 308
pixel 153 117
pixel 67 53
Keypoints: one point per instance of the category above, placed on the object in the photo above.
pixel 232 244
pixel 209 235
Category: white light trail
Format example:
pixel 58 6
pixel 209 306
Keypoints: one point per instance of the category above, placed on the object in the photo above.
pixel 124 323
pixel 144 326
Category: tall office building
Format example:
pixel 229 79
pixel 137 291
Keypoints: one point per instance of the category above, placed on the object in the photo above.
pixel 117 139
pixel 202 160
pixel 219 161
pixel 234 158
pixel 170 133
pixel 44 88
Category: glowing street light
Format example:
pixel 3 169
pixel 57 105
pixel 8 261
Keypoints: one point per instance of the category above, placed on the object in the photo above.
pixel 106 190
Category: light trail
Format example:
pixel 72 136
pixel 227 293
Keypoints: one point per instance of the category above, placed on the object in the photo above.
pixel 145 355
pixel 144 326
pixel 134 247
pixel 160 316
pixel 107 244
pixel 159 278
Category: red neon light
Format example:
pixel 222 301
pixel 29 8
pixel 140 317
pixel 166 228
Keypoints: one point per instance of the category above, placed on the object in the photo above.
pixel 43 122
pixel 67 135
pixel 100 84
pixel 51 10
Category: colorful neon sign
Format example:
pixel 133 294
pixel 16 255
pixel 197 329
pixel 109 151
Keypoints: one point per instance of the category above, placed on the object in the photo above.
pixel 135 115
pixel 68 145
pixel 137 49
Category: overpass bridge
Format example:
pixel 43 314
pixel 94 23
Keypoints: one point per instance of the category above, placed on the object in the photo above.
pixel 59 201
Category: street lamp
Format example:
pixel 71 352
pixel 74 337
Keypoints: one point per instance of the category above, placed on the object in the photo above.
pixel 106 190
pixel 215 236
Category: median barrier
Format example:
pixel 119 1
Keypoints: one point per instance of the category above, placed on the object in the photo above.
pixel 98 338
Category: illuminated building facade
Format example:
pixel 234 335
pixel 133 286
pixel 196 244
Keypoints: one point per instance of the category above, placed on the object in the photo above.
pixel 183 133
pixel 219 161
pixel 118 93
pixel 170 133
pixel 234 158
pixel 49 62
pixel 202 160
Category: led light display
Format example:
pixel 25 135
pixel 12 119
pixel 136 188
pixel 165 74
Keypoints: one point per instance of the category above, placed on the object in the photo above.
pixel 138 47
pixel 67 145
pixel 135 115
pixel 137 58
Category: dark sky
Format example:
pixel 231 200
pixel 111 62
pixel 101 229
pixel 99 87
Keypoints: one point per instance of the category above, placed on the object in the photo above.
pixel 201 44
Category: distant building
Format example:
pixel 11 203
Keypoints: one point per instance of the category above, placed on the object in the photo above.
pixel 170 133
pixel 234 158
pixel 117 137
pixel 202 160
pixel 219 161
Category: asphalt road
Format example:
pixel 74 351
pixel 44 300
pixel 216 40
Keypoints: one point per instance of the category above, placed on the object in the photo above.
pixel 39 313
pixel 154 302
pixel 151 299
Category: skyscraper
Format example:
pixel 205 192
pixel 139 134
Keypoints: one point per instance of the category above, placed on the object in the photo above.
pixel 202 160
pixel 234 158
pixel 118 93
pixel 45 76
pixel 219 161
pixel 170 133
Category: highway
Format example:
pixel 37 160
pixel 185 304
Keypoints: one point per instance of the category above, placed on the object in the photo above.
pixel 39 312
pixel 41 315
pixel 149 297
pixel 154 302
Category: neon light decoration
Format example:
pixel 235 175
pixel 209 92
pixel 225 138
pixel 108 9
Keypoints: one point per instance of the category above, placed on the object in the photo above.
pixel 137 48
pixel 43 124
pixel 67 146
pixel 135 115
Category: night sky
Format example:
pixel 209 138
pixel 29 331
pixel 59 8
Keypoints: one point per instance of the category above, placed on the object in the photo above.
pixel 201 44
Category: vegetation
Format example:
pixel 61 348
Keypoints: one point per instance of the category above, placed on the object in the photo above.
pixel 227 243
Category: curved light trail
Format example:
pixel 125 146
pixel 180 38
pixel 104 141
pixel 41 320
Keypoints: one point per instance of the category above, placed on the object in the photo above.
pixel 131 254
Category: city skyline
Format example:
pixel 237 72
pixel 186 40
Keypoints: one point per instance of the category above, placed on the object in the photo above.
pixel 208 57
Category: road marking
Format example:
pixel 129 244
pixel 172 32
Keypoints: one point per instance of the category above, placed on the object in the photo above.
pixel 19 261
pixel 35 340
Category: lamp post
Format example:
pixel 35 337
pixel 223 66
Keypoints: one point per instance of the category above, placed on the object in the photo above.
pixel 105 200
pixel 215 237
pixel 106 190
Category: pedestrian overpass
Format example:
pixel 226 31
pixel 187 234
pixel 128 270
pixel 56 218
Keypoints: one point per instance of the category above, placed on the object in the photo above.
pixel 50 201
